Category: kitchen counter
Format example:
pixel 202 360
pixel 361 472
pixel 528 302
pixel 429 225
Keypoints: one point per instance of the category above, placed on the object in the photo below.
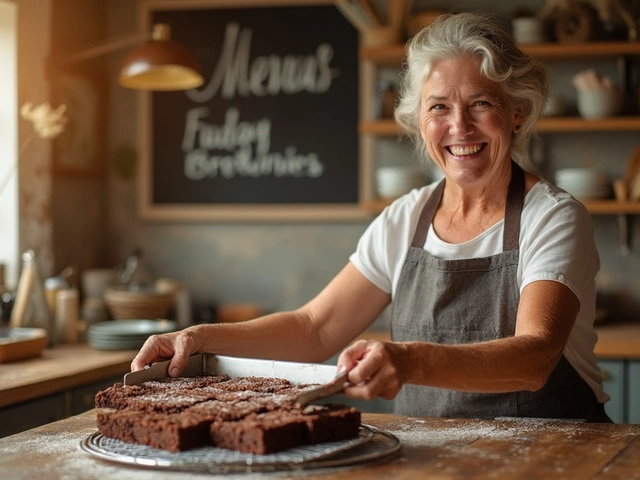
pixel 431 447
pixel 618 340
pixel 60 368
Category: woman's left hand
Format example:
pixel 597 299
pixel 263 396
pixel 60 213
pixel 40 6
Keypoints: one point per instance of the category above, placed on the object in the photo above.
pixel 376 369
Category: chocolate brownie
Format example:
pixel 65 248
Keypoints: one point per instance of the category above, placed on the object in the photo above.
pixel 331 422
pixel 173 432
pixel 248 414
pixel 117 396
pixel 261 433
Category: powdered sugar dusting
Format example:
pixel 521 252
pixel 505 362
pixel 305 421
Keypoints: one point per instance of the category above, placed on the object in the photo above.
pixel 56 455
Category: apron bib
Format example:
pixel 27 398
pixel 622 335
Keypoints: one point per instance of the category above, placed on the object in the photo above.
pixel 476 300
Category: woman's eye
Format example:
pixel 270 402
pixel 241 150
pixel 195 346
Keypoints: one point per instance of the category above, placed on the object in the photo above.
pixel 438 106
pixel 482 103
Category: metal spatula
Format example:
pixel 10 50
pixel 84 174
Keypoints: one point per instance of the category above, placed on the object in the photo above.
pixel 337 385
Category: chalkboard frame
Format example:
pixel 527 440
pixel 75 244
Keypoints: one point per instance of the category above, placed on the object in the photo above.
pixel 228 212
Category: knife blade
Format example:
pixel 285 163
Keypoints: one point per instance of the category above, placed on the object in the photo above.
pixel 194 367
pixel 337 385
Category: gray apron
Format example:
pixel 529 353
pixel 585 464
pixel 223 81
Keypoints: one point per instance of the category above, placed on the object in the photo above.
pixel 476 300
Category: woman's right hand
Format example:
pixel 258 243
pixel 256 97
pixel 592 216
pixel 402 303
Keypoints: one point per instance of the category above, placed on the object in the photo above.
pixel 375 368
pixel 177 346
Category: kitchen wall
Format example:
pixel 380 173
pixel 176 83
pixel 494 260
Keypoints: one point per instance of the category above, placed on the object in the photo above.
pixel 34 180
pixel 281 266
pixel 78 195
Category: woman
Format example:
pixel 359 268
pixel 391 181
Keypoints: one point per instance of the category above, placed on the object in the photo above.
pixel 490 272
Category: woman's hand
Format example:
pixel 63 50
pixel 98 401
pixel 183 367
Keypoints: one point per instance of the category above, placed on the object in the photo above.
pixel 178 346
pixel 376 369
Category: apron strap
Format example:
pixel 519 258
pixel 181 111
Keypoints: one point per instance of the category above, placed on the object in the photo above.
pixel 426 217
pixel 513 211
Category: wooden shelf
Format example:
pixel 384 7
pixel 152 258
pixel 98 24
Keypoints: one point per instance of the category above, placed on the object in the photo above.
pixel 588 49
pixel 595 207
pixel 389 55
pixel 379 127
pixel 545 125
pixel 609 207
pixel 577 124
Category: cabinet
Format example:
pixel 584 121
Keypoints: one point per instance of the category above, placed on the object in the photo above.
pixel 370 128
pixel 622 384
pixel 51 408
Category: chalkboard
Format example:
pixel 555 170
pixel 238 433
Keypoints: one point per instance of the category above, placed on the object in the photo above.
pixel 273 131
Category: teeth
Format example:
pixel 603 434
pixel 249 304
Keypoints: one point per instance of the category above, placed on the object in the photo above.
pixel 466 150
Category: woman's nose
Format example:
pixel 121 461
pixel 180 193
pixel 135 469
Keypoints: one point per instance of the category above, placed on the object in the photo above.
pixel 461 123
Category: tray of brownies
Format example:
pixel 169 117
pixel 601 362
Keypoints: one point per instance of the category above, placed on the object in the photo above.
pixel 230 414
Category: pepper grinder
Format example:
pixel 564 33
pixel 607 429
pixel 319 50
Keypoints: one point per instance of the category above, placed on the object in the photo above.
pixel 30 281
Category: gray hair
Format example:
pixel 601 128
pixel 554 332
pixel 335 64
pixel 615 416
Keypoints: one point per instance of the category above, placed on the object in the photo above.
pixel 523 78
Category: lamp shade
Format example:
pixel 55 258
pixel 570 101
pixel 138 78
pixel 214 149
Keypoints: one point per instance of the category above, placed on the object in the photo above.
pixel 160 65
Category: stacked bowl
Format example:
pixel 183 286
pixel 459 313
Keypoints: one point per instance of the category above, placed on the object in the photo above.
pixel 392 182
pixel 126 334
pixel 144 303
pixel 584 183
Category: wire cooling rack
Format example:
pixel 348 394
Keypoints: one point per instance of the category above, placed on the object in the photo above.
pixel 370 444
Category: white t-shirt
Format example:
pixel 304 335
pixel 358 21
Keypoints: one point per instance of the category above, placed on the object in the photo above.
pixel 556 243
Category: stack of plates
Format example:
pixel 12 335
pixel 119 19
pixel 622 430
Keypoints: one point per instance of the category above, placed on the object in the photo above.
pixel 126 334
pixel 393 182
pixel 584 183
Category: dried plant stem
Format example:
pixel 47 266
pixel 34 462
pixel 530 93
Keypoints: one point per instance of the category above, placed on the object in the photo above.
pixel 12 168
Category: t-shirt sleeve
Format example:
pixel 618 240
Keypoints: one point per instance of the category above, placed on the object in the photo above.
pixel 561 247
pixel 383 247
pixel 368 257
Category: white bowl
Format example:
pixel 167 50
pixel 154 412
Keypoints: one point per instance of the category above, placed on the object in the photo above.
pixel 594 104
pixel 393 182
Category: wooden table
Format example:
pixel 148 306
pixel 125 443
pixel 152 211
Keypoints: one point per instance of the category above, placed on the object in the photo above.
pixel 431 448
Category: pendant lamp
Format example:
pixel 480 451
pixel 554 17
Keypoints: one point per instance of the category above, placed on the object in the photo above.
pixel 159 64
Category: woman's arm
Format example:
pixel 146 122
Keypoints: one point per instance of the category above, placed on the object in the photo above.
pixel 546 314
pixel 314 332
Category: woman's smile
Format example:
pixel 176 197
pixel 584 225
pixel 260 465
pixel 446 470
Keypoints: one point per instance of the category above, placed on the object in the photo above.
pixel 462 151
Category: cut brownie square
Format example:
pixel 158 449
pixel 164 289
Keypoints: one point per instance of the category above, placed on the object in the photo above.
pixel 173 432
pixel 331 422
pixel 167 401
pixel 260 433
pixel 117 424
pixel 257 384
pixel 118 395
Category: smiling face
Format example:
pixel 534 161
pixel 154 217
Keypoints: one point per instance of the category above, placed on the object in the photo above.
pixel 466 122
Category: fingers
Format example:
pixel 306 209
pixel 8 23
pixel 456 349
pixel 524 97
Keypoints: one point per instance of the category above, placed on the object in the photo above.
pixel 377 369
pixel 147 355
pixel 178 346
pixel 184 347
pixel 350 356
